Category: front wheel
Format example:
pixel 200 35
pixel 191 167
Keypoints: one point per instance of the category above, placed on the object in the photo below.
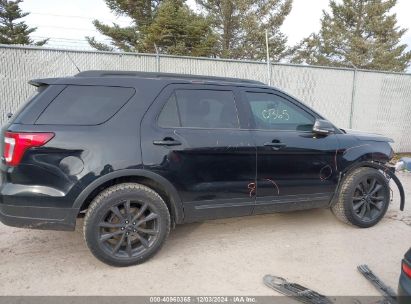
pixel 363 198
pixel 126 224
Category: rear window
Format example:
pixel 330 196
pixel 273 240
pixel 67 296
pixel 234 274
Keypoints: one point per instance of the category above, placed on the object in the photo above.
pixel 85 105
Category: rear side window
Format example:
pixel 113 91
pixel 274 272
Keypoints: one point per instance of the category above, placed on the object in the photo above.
pixel 85 105
pixel 34 95
pixel 200 109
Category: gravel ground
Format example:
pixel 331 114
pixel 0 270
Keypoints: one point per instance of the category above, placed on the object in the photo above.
pixel 222 257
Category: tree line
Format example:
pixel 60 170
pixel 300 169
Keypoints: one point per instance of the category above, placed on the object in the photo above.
pixel 354 33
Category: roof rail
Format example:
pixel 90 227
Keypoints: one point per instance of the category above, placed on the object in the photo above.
pixel 97 73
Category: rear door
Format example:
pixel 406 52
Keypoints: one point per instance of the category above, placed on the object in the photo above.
pixel 295 168
pixel 191 135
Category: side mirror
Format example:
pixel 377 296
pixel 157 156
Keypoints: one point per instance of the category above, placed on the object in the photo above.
pixel 323 127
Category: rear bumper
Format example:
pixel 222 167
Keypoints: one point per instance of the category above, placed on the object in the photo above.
pixel 35 206
pixel 38 217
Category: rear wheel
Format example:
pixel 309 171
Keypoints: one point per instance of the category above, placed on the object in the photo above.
pixel 363 198
pixel 126 224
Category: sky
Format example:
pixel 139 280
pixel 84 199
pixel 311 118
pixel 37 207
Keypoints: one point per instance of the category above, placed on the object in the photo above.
pixel 67 22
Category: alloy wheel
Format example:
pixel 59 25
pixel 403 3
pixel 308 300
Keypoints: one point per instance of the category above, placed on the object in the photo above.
pixel 128 229
pixel 369 199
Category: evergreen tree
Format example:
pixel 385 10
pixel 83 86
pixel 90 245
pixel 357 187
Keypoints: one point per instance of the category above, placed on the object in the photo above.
pixel 357 32
pixel 241 26
pixel 169 24
pixel 179 31
pixel 130 38
pixel 13 31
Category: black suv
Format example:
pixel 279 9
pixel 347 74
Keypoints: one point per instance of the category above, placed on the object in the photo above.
pixel 137 153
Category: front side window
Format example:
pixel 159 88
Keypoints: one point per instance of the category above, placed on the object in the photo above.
pixel 200 109
pixel 273 112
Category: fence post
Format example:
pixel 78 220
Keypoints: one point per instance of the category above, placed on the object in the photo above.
pixel 354 86
pixel 268 59
pixel 157 59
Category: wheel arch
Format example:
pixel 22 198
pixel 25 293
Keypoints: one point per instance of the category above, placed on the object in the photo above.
pixel 152 180
pixel 376 165
pixel 364 163
pixel 373 154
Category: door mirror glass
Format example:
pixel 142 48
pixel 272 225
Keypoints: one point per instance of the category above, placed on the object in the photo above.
pixel 322 126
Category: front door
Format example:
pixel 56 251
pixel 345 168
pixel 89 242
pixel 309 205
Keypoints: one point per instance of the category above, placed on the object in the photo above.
pixel 191 135
pixel 295 168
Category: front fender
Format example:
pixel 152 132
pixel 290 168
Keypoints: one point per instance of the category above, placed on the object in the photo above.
pixel 380 152
pixel 354 153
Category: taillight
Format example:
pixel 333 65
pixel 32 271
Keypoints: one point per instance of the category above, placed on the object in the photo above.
pixel 16 144
pixel 406 269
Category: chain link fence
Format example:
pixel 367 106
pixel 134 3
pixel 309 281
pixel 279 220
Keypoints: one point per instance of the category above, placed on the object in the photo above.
pixel 369 101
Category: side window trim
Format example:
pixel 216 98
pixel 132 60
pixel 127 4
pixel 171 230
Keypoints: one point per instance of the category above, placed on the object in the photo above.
pixel 172 91
pixel 177 107
pixel 287 98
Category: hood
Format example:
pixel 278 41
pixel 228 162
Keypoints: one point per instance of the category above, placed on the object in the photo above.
pixel 368 136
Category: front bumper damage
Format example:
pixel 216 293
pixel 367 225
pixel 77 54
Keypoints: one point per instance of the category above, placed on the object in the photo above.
pixel 390 172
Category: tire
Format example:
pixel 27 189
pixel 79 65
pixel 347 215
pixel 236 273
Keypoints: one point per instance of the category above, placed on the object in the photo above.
pixel 126 224
pixel 359 205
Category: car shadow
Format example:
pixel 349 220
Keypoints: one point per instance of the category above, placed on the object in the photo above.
pixel 57 245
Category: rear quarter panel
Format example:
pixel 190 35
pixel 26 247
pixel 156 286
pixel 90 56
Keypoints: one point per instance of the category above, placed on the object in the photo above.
pixel 55 174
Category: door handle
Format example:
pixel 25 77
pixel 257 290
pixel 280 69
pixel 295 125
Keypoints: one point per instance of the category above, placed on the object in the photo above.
pixel 275 145
pixel 168 141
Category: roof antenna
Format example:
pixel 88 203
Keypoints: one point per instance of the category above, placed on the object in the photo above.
pixel 72 61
